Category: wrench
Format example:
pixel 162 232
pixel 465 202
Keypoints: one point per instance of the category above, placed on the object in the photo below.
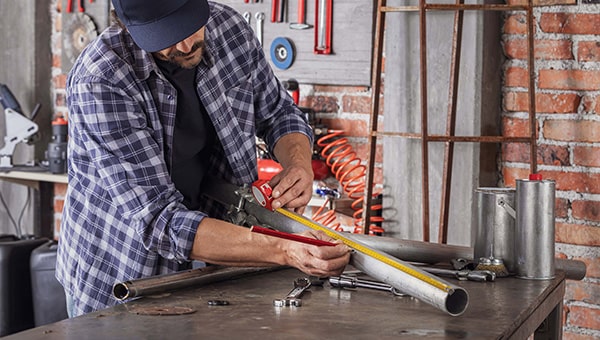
pixel 247 17
pixel 260 17
pixel 345 281
pixel 293 297
pixel 465 274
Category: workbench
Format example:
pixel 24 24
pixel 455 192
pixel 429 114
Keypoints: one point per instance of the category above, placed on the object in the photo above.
pixel 508 308
pixel 43 182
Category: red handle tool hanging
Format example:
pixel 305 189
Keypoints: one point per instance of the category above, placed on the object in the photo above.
pixel 324 18
pixel 301 24
pixel 274 10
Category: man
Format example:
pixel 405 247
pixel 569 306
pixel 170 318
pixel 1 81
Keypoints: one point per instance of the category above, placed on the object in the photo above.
pixel 174 94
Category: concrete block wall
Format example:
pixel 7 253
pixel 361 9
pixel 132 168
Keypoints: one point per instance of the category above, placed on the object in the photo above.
pixel 568 121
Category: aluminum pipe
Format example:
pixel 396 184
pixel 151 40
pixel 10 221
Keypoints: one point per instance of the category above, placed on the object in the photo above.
pixel 178 280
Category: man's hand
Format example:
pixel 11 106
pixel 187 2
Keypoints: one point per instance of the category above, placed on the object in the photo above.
pixel 292 187
pixel 320 261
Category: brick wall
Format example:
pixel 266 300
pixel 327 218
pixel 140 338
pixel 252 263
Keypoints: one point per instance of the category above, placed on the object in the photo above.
pixel 568 121
pixel 567 74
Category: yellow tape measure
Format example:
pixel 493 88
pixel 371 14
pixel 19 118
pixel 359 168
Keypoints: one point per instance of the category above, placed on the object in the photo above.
pixel 365 250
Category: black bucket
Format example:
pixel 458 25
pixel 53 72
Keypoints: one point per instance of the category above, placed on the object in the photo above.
pixel 16 307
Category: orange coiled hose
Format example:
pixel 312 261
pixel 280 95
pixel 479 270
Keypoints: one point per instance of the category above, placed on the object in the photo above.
pixel 350 172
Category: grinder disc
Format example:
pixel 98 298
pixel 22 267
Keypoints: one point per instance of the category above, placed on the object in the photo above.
pixel 282 53
pixel 79 31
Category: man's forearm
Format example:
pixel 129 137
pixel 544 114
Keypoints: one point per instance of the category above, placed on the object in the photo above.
pixel 293 149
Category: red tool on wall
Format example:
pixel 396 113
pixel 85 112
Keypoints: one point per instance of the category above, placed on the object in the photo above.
pixel 323 19
pixel 301 23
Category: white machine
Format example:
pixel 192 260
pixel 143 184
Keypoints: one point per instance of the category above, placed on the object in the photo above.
pixel 17 128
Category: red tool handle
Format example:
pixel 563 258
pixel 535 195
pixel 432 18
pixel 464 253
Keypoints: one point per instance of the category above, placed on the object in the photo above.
pixel 274 8
pixel 293 237
pixel 80 6
pixel 301 11
pixel 69 6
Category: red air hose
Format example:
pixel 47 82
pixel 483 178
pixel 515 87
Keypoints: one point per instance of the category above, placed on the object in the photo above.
pixel 350 172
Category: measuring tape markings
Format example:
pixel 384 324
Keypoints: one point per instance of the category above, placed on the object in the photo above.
pixel 365 250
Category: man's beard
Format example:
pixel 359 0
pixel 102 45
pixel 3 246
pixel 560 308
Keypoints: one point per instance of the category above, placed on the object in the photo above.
pixel 173 57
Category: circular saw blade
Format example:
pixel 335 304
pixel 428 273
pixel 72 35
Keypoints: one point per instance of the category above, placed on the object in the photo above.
pixel 79 31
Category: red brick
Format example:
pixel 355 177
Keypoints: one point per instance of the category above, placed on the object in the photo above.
pixel 60 81
pixel 561 208
pixel 60 189
pixel 515 127
pixel 322 104
pixel 58 205
pixel 552 155
pixel 510 175
pixel 516 77
pixel 515 24
pixel 592 266
pixel 56 61
pixel 60 99
pixel 570 23
pixel 362 149
pixel 546 154
pixel 586 210
pixel 543 49
pixel 577 234
pixel 572 130
pixel 590 103
pixel 588 51
pixel 586 156
pixel 585 80
pixel 584 317
pixel 581 182
pixel 356 104
pixel 544 102
pixel 351 127
pixel 582 291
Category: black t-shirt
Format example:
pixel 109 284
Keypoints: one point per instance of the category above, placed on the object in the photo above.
pixel 193 137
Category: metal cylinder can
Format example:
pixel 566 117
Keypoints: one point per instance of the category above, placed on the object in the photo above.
pixel 494 229
pixel 534 229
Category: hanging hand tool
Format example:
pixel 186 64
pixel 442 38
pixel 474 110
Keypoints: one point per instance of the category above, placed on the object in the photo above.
pixel 301 24
pixel 324 18
pixel 293 297
pixel 274 8
pixel 282 11
pixel 260 17
pixel 247 17
pixel 69 6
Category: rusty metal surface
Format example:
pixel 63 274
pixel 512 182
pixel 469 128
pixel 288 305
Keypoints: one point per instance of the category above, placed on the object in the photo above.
pixel 506 308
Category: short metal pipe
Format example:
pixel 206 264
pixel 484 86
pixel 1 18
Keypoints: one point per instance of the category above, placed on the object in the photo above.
pixel 179 280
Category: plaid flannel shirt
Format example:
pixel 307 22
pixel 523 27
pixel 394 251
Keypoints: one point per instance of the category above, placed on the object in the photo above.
pixel 123 218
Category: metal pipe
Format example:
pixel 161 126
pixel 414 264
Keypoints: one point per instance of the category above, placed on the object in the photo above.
pixel 406 250
pixel 453 301
pixel 404 277
pixel 193 277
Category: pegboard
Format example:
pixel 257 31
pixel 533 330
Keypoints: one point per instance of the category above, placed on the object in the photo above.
pixel 351 41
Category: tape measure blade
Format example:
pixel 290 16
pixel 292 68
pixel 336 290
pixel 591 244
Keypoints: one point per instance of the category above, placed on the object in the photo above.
pixel 380 256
